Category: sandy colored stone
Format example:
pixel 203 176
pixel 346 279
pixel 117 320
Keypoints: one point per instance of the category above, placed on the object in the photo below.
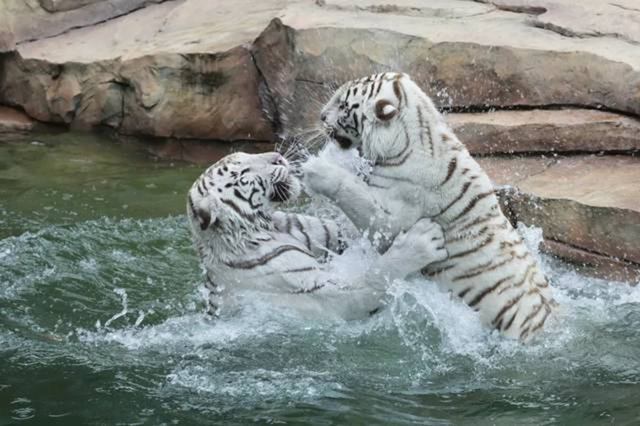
pixel 467 75
pixel 466 55
pixel 213 25
pixel 194 96
pixel 40 19
pixel 588 202
pixel 12 120
pixel 595 264
pixel 54 6
pixel 64 97
pixel 584 19
pixel 575 130
pixel 208 96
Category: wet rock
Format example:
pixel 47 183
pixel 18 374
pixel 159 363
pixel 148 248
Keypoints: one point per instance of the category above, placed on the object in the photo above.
pixel 589 203
pixel 595 264
pixel 12 121
pixel 564 130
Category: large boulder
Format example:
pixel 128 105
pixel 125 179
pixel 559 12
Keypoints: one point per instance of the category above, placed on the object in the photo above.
pixel 588 206
pixel 203 96
pixel 468 56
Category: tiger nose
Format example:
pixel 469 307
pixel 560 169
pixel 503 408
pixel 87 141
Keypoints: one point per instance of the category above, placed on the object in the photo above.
pixel 278 160
pixel 323 116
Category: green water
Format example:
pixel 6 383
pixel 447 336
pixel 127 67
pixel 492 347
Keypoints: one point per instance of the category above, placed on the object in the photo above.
pixel 101 323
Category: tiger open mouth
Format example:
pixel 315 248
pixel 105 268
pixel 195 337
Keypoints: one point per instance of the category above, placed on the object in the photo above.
pixel 342 141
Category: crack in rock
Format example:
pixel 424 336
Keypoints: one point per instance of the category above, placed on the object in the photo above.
pixel 567 32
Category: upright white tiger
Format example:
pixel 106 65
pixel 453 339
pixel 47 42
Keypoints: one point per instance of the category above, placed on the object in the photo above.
pixel 419 169
pixel 244 244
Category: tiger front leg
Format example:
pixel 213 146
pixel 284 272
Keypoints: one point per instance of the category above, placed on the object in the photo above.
pixel 352 195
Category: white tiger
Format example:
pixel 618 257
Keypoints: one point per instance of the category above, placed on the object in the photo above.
pixel 419 169
pixel 244 244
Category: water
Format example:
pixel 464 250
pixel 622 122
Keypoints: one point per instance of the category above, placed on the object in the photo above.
pixel 101 323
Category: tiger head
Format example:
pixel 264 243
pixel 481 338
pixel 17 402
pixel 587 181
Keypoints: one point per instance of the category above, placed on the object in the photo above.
pixel 235 194
pixel 371 113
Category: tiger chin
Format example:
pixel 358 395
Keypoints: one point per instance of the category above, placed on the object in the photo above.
pixel 419 169
pixel 244 244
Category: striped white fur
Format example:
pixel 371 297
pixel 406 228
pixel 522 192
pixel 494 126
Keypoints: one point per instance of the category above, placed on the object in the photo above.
pixel 420 169
pixel 244 244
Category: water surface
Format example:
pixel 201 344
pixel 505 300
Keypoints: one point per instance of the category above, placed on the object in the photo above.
pixel 101 323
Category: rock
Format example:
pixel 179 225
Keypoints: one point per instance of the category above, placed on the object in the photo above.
pixel 598 265
pixel 161 92
pixel 589 203
pixel 53 6
pixel 584 19
pixel 13 121
pixel 293 68
pixel 459 75
pixel 145 96
pixel 274 57
pixel 64 97
pixel 37 19
pixel 25 84
pixel 564 130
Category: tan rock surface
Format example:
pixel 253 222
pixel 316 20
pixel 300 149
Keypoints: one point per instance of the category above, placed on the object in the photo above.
pixel 15 121
pixel 214 25
pixel 37 19
pixel 578 130
pixel 466 55
pixel 583 19
pixel 185 96
pixel 589 203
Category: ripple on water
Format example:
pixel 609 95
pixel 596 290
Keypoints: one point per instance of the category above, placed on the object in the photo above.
pixel 118 300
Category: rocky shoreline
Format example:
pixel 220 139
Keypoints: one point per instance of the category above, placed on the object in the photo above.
pixel 545 92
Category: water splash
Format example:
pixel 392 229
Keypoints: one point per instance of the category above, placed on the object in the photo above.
pixel 123 295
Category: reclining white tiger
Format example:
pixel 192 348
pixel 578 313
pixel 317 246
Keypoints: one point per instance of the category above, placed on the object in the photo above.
pixel 243 244
pixel 419 169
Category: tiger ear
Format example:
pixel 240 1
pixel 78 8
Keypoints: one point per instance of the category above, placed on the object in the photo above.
pixel 385 110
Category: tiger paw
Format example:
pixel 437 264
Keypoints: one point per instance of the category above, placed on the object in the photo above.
pixel 421 245
pixel 322 177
